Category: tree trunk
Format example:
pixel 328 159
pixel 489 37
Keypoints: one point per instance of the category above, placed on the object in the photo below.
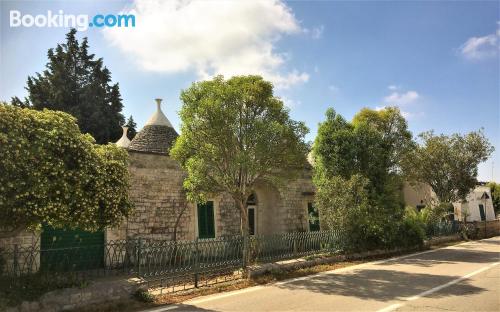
pixel 242 203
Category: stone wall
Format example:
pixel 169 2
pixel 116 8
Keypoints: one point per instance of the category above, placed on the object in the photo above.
pixel 73 298
pixel 296 194
pixel 157 192
pixel 22 243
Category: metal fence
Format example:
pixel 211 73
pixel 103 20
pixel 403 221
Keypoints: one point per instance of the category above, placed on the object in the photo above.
pixel 448 228
pixel 180 264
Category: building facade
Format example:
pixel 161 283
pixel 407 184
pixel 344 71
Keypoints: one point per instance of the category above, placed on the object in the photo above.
pixel 163 212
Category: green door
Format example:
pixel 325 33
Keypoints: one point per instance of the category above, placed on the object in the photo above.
pixel 481 212
pixel 68 250
pixel 313 217
pixel 206 224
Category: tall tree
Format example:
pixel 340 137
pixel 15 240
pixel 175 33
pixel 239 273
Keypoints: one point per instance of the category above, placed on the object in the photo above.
pixel 132 128
pixel 234 133
pixel 77 83
pixel 449 164
pixel 393 127
pixel 362 154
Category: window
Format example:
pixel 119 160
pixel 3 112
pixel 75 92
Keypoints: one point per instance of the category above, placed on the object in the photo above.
pixel 206 223
pixel 251 207
pixel 251 220
pixel 481 212
pixel 313 217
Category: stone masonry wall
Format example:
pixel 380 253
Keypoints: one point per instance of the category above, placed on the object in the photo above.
pixel 156 190
pixel 295 196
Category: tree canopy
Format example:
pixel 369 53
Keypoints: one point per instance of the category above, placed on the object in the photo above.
pixel 449 164
pixel 362 157
pixel 76 83
pixel 132 128
pixel 235 132
pixel 54 174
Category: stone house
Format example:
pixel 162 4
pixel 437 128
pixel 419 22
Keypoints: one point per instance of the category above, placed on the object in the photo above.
pixel 477 207
pixel 161 208
pixel 162 211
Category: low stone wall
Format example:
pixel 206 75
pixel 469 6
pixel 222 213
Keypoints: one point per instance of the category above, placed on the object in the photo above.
pixel 301 263
pixel 442 240
pixel 487 228
pixel 72 298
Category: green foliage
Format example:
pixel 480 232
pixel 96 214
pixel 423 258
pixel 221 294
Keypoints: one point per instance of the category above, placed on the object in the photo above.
pixel 76 83
pixel 449 164
pixel 132 128
pixel 54 174
pixel 495 196
pixel 362 158
pixel 235 132
pixel 397 139
pixel 144 296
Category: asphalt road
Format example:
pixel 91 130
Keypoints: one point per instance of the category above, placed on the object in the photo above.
pixel 463 277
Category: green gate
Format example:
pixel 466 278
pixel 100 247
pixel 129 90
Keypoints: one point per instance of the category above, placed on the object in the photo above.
pixel 66 249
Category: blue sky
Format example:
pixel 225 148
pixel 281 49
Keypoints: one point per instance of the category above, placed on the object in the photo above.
pixel 438 61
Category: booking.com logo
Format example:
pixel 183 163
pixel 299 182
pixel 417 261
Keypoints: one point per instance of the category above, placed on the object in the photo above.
pixel 80 22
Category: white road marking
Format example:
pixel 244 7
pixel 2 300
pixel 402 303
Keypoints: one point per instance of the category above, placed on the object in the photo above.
pixel 349 268
pixel 437 288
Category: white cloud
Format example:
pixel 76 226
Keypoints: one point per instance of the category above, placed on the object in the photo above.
pixel 477 48
pixel 397 98
pixel 290 103
pixel 317 32
pixel 392 87
pixel 230 38
pixel 401 99
pixel 333 88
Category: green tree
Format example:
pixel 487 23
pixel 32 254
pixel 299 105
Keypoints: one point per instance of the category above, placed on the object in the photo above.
pixel 54 174
pixel 495 196
pixel 370 147
pixel 76 83
pixel 235 132
pixel 393 127
pixel 132 128
pixel 449 164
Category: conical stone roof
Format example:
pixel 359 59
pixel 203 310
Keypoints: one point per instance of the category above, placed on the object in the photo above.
pixel 157 136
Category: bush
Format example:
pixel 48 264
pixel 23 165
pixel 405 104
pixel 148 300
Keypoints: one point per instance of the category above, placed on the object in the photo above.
pixel 144 296
pixel 54 174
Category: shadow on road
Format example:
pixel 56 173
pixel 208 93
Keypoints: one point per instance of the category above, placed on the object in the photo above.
pixel 464 254
pixel 383 285
pixel 184 307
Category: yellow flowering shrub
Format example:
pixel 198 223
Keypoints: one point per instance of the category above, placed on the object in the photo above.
pixel 52 173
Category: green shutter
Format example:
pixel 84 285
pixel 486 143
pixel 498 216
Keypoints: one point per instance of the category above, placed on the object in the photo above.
pixel 206 224
pixel 481 212
pixel 313 217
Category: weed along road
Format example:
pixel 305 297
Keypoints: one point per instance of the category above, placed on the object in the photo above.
pixel 464 277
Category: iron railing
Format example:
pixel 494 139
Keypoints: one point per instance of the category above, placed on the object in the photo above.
pixel 443 229
pixel 174 263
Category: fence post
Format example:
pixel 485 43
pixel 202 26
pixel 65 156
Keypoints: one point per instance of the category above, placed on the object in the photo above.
pixel 245 252
pixel 138 256
pixel 196 262
pixel 16 260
